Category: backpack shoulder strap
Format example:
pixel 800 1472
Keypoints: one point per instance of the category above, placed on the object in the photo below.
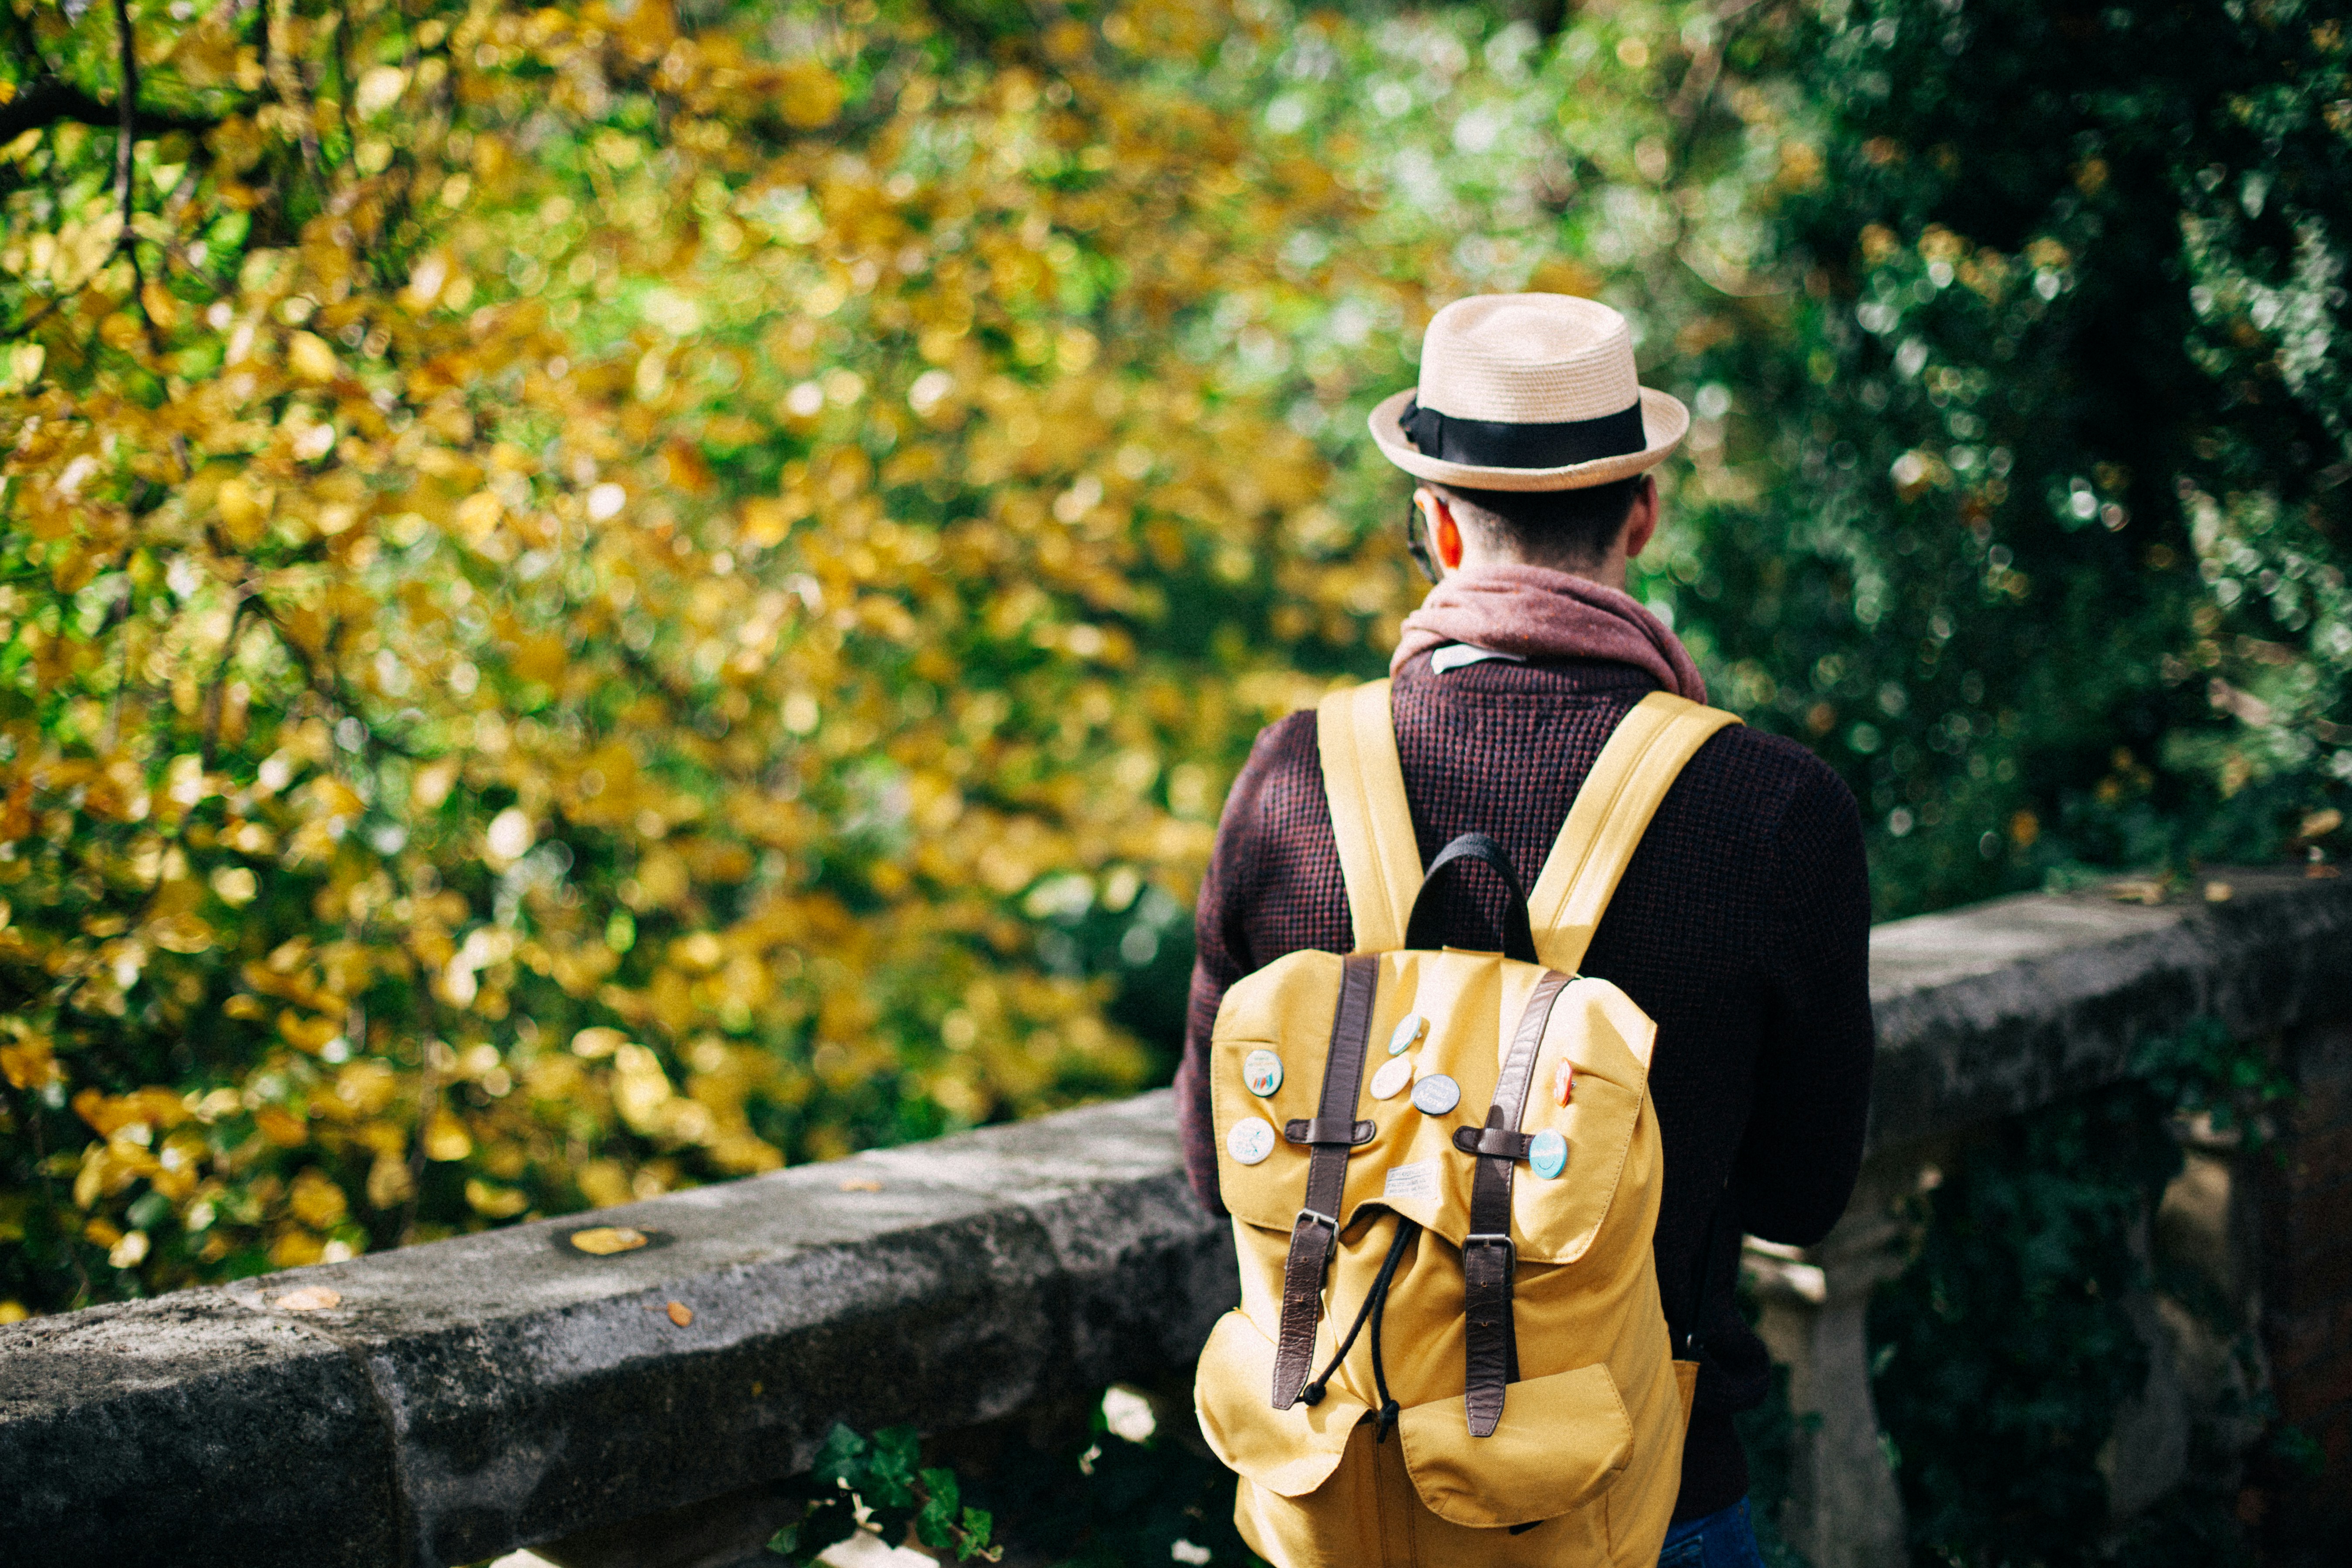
pixel 1380 859
pixel 1630 777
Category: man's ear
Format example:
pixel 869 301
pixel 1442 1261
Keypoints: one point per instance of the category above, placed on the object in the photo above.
pixel 1641 521
pixel 1437 521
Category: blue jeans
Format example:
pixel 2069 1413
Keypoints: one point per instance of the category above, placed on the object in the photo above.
pixel 1721 1540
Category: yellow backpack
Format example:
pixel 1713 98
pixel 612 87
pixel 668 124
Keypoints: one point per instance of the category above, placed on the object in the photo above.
pixel 1374 1113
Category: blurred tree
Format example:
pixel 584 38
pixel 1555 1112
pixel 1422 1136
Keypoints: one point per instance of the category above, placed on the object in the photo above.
pixel 592 604
pixel 2049 553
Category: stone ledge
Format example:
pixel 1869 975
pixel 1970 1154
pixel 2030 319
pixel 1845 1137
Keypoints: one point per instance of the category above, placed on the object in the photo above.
pixel 1994 1009
pixel 475 1395
pixel 499 1390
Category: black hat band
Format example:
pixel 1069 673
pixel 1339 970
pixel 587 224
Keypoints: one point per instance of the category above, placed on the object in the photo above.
pixel 1495 444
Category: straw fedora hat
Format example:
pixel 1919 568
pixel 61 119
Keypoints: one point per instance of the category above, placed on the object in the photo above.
pixel 1528 392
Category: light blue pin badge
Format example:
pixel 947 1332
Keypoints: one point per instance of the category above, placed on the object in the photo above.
pixel 1410 1030
pixel 1547 1154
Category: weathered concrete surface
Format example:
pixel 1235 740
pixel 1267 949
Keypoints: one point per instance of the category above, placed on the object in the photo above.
pixel 1996 1008
pixel 178 1430
pixel 473 1395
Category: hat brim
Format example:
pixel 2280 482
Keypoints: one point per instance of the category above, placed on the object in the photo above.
pixel 1665 423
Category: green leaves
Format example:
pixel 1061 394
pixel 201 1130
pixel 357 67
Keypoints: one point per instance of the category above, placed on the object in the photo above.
pixel 2060 406
pixel 878 1478
pixel 2203 1070
pixel 2004 1353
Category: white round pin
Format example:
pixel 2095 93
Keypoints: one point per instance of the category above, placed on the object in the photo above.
pixel 1261 1073
pixel 1391 1079
pixel 1436 1094
pixel 1409 1032
pixel 1250 1141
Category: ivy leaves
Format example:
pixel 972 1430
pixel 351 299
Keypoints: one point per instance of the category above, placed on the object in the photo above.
pixel 876 1484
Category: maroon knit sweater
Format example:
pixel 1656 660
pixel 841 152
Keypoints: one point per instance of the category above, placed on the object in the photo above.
pixel 1741 927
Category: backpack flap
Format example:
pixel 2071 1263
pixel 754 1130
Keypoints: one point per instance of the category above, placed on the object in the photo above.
pixel 1275 1029
pixel 1469 1004
pixel 1603 1040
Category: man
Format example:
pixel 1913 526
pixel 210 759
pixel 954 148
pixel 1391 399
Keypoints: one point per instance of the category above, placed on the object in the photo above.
pixel 1741 923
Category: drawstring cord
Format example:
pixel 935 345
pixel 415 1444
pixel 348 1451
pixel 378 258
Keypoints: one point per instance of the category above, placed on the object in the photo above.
pixel 1375 1305
pixel 1388 1417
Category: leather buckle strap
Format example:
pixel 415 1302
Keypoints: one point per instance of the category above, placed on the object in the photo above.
pixel 1498 1142
pixel 1317 1132
pixel 1316 1230
pixel 1490 1347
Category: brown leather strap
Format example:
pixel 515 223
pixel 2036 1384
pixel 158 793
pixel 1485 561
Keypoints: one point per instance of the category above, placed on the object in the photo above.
pixel 1315 1130
pixel 1317 1228
pixel 1495 1140
pixel 1490 1345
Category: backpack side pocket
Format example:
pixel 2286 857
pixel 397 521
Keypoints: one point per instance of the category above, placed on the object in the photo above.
pixel 1289 1452
pixel 1562 1440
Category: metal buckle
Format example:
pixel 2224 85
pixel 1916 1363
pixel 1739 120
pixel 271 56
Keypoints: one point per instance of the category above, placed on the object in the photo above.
pixel 1490 1239
pixel 1305 1214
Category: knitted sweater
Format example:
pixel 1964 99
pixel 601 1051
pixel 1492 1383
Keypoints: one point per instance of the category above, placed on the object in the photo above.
pixel 1740 928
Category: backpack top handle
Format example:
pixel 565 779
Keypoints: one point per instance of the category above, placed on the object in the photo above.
pixel 1422 930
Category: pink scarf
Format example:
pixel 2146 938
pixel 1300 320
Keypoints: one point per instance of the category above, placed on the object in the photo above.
pixel 1538 613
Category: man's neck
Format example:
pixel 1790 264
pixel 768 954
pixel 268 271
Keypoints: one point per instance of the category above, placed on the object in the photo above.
pixel 1609 570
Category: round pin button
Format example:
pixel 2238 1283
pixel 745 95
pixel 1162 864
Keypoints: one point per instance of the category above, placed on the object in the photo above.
pixel 1436 1094
pixel 1262 1072
pixel 1547 1155
pixel 1250 1141
pixel 1392 1078
pixel 1409 1032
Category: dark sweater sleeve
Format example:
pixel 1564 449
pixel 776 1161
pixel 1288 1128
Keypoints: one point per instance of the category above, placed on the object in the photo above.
pixel 1221 956
pixel 1803 1146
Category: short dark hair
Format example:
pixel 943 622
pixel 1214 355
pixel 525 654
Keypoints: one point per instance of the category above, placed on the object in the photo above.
pixel 1545 528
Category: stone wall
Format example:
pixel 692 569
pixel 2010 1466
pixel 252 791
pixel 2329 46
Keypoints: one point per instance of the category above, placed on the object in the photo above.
pixel 2304 1205
pixel 446 1403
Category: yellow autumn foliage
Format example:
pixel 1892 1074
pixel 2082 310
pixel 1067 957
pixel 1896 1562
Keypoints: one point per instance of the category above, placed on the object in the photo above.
pixel 564 615
pixel 591 603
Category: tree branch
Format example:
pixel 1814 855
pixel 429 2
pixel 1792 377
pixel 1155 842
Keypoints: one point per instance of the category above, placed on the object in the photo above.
pixel 52 102
pixel 285 80
pixel 126 110
pixel 216 688
pixel 126 105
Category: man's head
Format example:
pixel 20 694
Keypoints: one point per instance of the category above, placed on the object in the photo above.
pixel 1532 436
pixel 1592 531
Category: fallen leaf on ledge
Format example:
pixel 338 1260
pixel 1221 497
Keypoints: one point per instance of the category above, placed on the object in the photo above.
pixel 861 1184
pixel 309 1299
pixel 603 1240
pixel 680 1313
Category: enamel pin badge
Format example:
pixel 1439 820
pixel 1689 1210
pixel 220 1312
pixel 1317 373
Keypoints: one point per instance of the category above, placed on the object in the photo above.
pixel 1261 1073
